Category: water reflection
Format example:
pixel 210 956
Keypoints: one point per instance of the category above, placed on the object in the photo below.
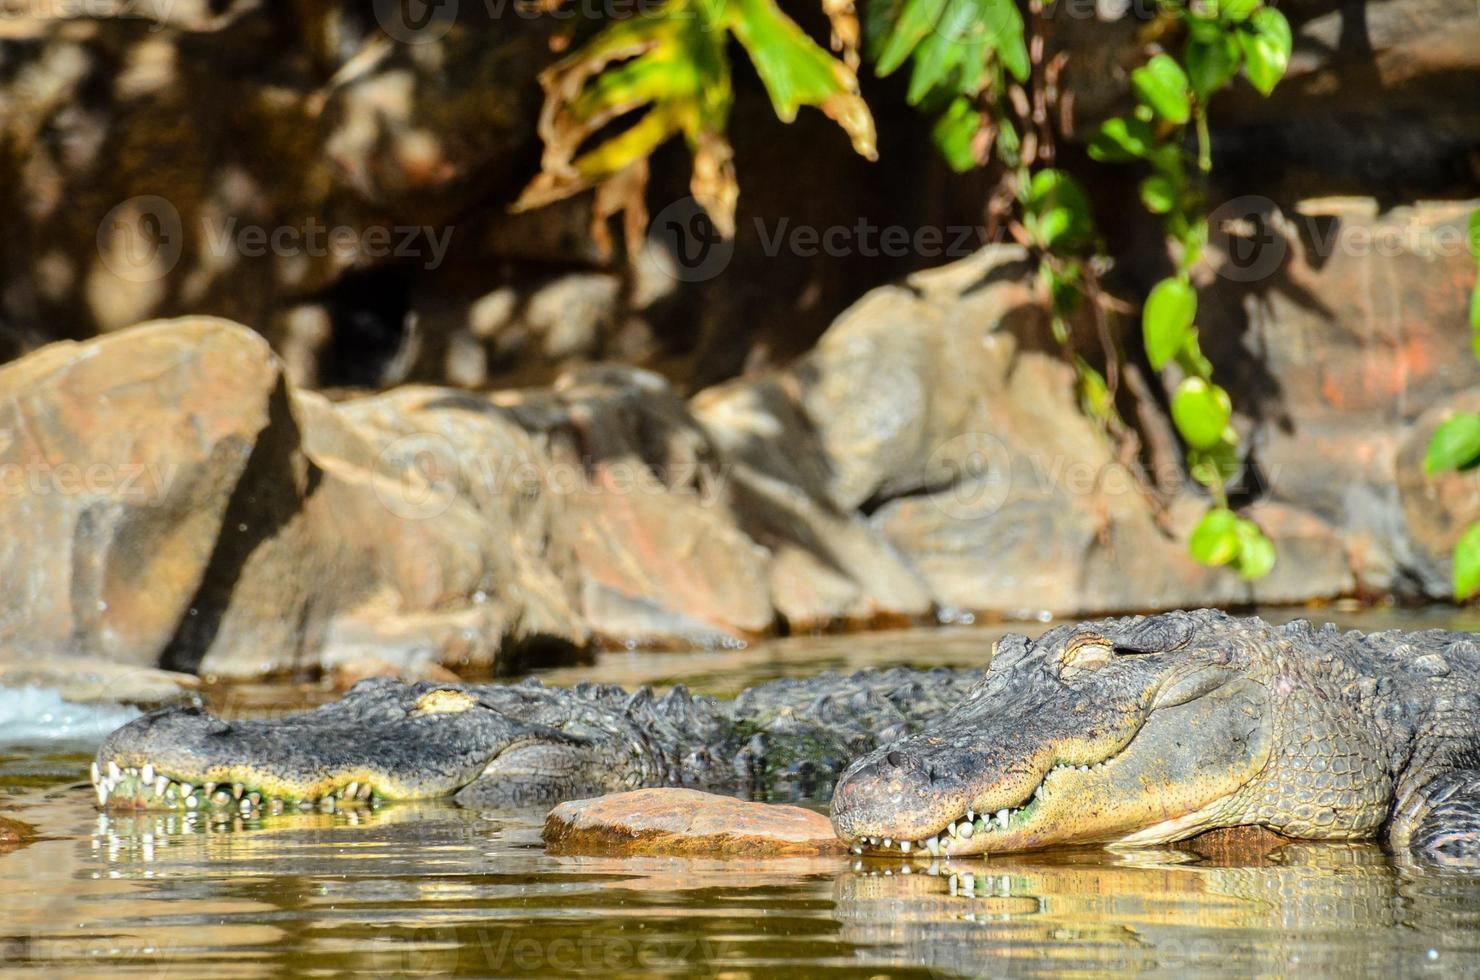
pixel 1342 909
pixel 430 889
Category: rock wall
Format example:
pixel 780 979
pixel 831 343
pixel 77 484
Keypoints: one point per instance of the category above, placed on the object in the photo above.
pixel 170 499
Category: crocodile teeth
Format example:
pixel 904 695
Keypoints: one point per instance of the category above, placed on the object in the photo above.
pixel 114 773
pixel 856 848
pixel 904 846
pixel 161 783
pixel 191 802
pixel 352 790
pixel 965 830
pixel 186 789
pixel 1002 818
pixel 148 772
pixel 237 789
pixel 102 789
pixel 97 776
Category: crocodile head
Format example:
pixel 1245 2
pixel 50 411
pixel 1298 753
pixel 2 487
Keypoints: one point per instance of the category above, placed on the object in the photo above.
pixel 384 740
pixel 1134 731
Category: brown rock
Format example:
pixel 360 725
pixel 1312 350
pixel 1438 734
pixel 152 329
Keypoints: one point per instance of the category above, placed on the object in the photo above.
pixel 171 501
pixel 14 835
pixel 114 506
pixel 1331 354
pixel 658 557
pixel 685 821
pixel 93 680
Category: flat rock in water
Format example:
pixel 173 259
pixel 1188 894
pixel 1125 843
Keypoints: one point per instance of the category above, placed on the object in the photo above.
pixel 14 834
pixel 685 821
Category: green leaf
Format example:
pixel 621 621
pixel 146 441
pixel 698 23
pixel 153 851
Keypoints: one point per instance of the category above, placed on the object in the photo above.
pixel 955 134
pixel 916 20
pixel 1058 214
pixel 1256 555
pixel 1267 43
pixel 1158 194
pixel 1215 467
pixel 1475 234
pixel 1454 445
pixel 1167 319
pixel 1211 63
pixel 1162 85
pixel 1467 563
pixel 1215 540
pixel 1234 11
pixel 1119 140
pixel 1475 320
pixel 1201 411
pixel 1004 25
pixel 796 72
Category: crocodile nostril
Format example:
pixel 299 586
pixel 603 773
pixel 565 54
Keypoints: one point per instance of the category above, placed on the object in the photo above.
pixel 895 759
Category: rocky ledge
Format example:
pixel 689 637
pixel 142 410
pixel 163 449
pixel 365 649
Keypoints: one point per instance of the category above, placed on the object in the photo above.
pixel 686 821
pixel 171 500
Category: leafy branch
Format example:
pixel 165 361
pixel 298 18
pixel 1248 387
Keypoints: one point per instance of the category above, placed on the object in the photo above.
pixel 1172 96
pixel 644 80
pixel 1455 446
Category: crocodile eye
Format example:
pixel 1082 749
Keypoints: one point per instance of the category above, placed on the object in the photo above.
pixel 1087 652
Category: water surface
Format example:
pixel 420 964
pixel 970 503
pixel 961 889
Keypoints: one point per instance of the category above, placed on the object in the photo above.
pixel 431 889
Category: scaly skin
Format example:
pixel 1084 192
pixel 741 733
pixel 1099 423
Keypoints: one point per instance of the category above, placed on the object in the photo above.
pixel 1154 729
pixel 517 744
pixel 1123 731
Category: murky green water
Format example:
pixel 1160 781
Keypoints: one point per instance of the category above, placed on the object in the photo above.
pixel 436 889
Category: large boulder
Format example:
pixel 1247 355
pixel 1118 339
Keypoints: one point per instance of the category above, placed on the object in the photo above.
pixel 166 507
pixel 942 413
pixel 114 507
pixel 1334 327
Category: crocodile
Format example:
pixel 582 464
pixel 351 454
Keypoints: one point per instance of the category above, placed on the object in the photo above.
pixel 516 745
pixel 1149 730
pixel 1137 730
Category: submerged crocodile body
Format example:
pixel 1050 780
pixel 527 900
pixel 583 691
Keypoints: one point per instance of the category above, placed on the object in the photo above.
pixel 519 744
pixel 1132 731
